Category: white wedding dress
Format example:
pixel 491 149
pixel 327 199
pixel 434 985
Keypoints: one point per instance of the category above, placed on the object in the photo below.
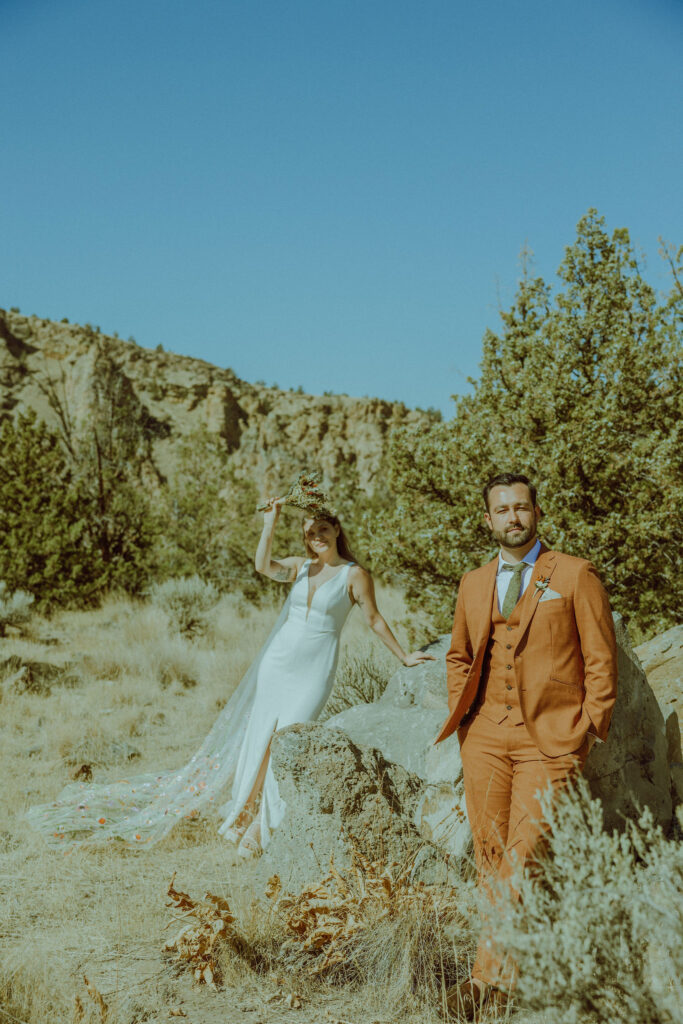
pixel 289 681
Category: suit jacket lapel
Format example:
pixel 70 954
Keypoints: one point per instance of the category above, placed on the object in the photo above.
pixel 488 584
pixel 543 569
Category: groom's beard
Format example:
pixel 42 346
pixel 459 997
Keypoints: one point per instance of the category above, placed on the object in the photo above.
pixel 507 538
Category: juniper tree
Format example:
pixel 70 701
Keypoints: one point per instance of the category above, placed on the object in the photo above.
pixel 75 521
pixel 45 546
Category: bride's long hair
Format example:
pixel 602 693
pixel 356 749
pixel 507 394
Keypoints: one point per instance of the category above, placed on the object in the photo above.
pixel 342 541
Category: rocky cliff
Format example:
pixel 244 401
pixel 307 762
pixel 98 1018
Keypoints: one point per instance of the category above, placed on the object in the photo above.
pixel 270 434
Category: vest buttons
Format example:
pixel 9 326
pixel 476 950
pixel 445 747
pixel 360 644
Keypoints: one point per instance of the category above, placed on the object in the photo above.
pixel 508 666
pixel 507 686
pixel 509 629
pixel 509 707
pixel 508 646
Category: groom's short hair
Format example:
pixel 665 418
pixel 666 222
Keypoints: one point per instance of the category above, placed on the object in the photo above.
pixel 506 480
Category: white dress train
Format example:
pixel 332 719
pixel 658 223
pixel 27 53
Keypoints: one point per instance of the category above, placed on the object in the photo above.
pixel 288 682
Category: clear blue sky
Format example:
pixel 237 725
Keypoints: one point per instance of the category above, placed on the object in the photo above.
pixel 331 194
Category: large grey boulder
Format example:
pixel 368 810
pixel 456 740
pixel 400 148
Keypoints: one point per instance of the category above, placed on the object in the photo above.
pixel 339 797
pixel 662 659
pixel 631 770
pixel 628 772
pixel 403 724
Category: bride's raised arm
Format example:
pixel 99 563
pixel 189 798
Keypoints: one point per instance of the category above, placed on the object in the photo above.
pixel 282 570
pixel 363 592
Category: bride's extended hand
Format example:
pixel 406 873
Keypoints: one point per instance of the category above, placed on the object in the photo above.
pixel 417 658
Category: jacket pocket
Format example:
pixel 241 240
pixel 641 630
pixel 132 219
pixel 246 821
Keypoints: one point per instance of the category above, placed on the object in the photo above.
pixel 567 682
pixel 554 603
pixel 566 661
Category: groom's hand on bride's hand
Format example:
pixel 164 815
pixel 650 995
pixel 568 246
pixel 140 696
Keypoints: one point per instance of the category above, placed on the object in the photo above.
pixel 416 658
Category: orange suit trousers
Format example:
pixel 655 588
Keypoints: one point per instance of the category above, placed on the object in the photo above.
pixel 504 773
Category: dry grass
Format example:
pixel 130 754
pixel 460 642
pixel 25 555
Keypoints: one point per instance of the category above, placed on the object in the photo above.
pixel 374 925
pixel 63 914
pixel 100 912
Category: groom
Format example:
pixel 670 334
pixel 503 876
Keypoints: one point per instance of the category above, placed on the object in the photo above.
pixel 532 674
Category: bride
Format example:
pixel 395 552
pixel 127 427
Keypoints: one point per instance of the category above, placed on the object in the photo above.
pixel 289 681
pixel 297 671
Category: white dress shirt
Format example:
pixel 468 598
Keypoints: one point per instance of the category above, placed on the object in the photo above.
pixel 504 576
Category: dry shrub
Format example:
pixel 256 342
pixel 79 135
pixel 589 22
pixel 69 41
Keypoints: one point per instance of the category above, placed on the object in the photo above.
pixel 176 664
pixel 26 675
pixel 361 678
pixel 186 600
pixel 197 943
pixel 15 607
pixel 143 624
pixel 371 927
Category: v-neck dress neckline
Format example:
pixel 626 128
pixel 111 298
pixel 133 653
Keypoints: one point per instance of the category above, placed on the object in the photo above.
pixel 310 594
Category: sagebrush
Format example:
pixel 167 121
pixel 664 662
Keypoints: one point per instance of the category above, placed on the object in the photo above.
pixel 186 601
pixel 15 607
pixel 598 936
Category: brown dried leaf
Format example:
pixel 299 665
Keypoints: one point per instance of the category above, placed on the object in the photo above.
pixel 194 944
pixel 181 900
pixel 324 917
pixel 273 887
pixel 221 905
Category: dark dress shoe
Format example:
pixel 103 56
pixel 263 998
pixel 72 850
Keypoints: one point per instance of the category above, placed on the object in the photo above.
pixel 465 1001
pixel 496 1002
pixel 468 1001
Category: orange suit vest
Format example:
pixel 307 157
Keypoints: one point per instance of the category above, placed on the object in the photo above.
pixel 498 697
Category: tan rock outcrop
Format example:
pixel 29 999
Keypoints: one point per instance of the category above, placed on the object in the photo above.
pixel 271 434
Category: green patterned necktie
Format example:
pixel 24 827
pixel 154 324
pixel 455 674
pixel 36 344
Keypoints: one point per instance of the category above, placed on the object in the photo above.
pixel 514 586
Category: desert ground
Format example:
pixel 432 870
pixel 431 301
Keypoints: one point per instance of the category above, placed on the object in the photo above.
pixel 120 689
pixel 128 692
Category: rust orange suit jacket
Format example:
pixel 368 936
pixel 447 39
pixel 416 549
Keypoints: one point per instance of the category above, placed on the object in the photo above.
pixel 565 658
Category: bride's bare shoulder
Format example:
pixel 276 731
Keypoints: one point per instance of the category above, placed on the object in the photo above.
pixel 359 576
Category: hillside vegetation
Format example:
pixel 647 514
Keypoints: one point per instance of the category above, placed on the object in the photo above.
pixel 121 466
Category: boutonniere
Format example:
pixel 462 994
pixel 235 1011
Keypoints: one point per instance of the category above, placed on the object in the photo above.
pixel 541 583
